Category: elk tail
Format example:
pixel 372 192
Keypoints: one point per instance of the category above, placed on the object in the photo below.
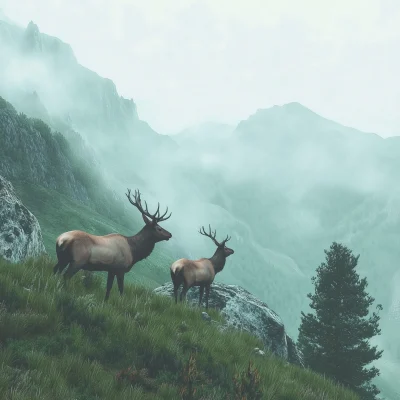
pixel 176 273
pixel 62 244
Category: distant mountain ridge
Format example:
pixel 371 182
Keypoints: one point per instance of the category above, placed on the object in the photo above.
pixel 55 54
pixel 81 98
pixel 298 116
pixel 40 76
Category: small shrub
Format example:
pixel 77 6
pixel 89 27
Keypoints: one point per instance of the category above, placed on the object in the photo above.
pixel 247 384
pixel 190 377
pixel 136 377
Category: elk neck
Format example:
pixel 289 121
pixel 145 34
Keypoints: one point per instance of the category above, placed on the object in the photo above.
pixel 141 244
pixel 218 260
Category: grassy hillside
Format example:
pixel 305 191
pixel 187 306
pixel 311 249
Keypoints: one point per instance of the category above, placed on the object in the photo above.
pixel 57 214
pixel 69 344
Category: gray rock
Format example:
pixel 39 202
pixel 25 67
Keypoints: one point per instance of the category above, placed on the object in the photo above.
pixel 259 351
pixel 245 312
pixel 20 233
pixel 205 316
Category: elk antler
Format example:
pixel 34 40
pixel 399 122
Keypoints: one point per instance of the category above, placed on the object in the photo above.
pixel 210 234
pixel 225 240
pixel 137 202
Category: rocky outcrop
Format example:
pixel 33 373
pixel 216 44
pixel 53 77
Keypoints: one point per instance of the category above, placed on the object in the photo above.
pixel 245 312
pixel 20 233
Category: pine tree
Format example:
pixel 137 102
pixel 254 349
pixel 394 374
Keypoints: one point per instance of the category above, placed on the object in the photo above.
pixel 335 338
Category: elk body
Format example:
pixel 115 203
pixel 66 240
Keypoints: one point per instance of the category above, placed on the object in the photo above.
pixel 113 253
pixel 200 272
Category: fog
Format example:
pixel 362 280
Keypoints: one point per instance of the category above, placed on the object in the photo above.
pixel 283 181
pixel 194 61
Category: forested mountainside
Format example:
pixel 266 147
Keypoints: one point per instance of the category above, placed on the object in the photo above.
pixel 32 153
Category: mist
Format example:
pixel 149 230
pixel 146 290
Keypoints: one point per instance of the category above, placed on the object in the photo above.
pixel 284 182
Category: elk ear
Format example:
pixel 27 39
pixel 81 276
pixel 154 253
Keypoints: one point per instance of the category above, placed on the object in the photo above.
pixel 146 220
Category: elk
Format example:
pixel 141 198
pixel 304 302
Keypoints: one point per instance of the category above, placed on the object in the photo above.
pixel 113 253
pixel 200 272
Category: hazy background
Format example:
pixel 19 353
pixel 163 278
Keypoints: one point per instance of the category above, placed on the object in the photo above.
pixel 185 62
pixel 283 181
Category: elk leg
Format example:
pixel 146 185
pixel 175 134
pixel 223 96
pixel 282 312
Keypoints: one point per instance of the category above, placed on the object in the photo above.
pixel 176 288
pixel 183 293
pixel 201 294
pixel 176 284
pixel 59 267
pixel 62 267
pixel 110 281
pixel 72 269
pixel 120 281
pixel 207 294
pixel 55 269
pixel 62 261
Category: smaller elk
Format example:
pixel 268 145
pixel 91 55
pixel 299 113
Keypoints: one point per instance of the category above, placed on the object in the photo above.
pixel 199 272
pixel 113 253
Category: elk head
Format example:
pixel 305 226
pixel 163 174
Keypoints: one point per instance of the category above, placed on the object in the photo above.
pixel 221 246
pixel 151 220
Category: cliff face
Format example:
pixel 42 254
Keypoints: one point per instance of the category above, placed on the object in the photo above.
pixel 20 233
pixel 31 152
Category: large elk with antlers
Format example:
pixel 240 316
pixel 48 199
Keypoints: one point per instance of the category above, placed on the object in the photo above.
pixel 113 253
pixel 200 272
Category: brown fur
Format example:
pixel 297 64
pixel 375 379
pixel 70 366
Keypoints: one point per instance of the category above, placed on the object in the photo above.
pixel 200 272
pixel 113 253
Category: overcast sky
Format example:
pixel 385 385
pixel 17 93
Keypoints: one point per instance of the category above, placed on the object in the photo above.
pixel 187 62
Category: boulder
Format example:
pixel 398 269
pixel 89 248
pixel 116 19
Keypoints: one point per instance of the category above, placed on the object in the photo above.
pixel 20 233
pixel 245 312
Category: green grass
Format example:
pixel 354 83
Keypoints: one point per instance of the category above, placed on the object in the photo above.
pixel 69 344
pixel 57 213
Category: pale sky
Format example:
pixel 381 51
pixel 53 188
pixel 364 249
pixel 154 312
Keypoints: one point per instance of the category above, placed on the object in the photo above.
pixel 185 62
